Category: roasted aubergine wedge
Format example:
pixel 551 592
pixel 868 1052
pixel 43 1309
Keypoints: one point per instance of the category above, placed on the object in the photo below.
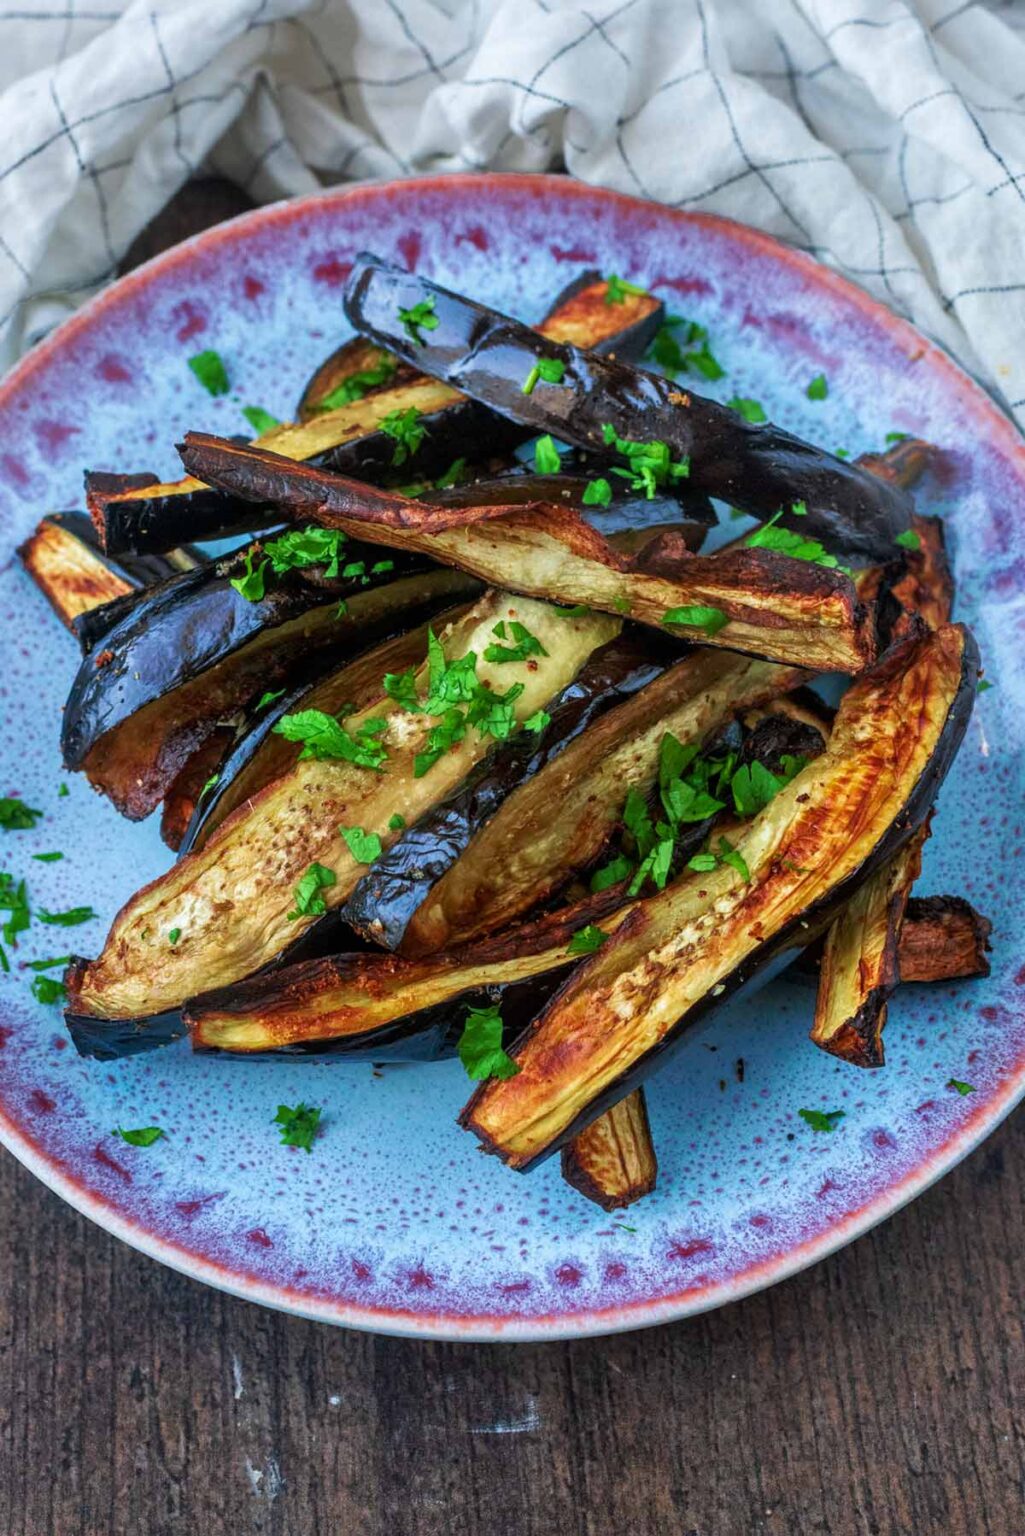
pixel 838 821
pixel 943 939
pixel 240 900
pixel 368 436
pixel 489 356
pixel 613 1162
pixel 193 651
pixel 751 600
pixel 66 562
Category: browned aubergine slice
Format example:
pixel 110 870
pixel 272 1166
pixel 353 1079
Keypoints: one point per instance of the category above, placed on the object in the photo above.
pixel 489 356
pixel 613 1162
pixel 140 513
pixel 943 939
pixel 843 817
pixel 192 651
pixel 751 600
pixel 230 901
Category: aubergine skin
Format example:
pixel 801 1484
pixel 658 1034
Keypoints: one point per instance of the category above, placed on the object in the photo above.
pixel 487 355
pixel 924 745
pixel 385 900
pixel 177 632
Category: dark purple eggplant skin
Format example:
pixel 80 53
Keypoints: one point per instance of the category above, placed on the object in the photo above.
pixel 149 524
pixel 184 626
pixel 138 570
pixel 487 355
pixel 687 511
pixel 384 901
pixel 805 926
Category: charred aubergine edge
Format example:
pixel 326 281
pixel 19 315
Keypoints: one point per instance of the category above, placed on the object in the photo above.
pixel 229 904
pixel 193 651
pixel 488 356
pixel 841 819
pixel 140 513
pixel 751 600
pixel 65 560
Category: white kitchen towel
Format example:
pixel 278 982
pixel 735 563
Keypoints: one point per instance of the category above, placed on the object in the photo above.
pixel 886 137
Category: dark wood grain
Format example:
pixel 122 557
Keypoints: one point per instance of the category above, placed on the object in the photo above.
pixel 879 1394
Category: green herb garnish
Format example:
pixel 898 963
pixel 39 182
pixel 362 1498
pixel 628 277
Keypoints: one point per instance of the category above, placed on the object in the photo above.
pixel 144 1136
pixel 818 389
pixel 612 873
pixel 396 823
pixel 359 384
pixel 786 542
pixel 260 420
pixel 324 737
pixel 69 919
pixel 268 698
pixel 405 429
pixel 308 900
pixel 365 847
pixel 48 858
pixel 420 317
pixel 597 493
pixel 45 990
pixel 617 289
pixel 252 585
pixel 300 548
pixel 14 901
pixel 539 721
pixel 298 1126
pixel 697 616
pixel 897 437
pixel 982 686
pixel 526 644
pixel 546 456
pixel 16 816
pixel 751 410
pixel 48 965
pixel 548 369
pixel 651 465
pixel 579 611
pixel 480 1045
pixel 454 475
pixel 586 940
pixel 959 1087
pixel 909 539
pixel 822 1119
pixel 211 372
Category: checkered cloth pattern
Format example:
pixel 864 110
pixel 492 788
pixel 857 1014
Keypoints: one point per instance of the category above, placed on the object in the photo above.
pixel 886 137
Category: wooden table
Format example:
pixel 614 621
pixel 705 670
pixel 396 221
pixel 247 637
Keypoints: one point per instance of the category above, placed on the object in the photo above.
pixel 881 1392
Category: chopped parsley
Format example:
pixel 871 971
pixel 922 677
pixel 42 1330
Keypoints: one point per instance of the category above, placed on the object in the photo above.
pixel 324 737
pixel 612 873
pixel 586 940
pixel 173 936
pixel 211 783
pixel 14 901
pixel 360 383
pixel 454 475
pixel 539 721
pixel 209 369
pixel 480 1045
pixel 252 585
pixel 579 611
pixel 597 493
pixel 268 698
pixel 62 792
pixel 842 453
pixel 730 855
pixel 396 823
pixel 526 644
pixel 822 1119
pixel 897 437
pixel 698 616
pixel 300 548
pixel 365 847
pixel 786 542
pixel 419 317
pixel 818 389
pixel 651 465
pixel 617 289
pixel 666 350
pixel 69 919
pixel 751 410
pixel 406 431
pixel 16 816
pixel 260 420
pixel 46 990
pixel 144 1136
pixel 298 1126
pixel 909 539
pixel 445 734
pixel 48 858
pixel 982 686
pixel 548 369
pixel 308 900
pixel 959 1087
pixel 753 785
pixel 48 965
pixel 546 456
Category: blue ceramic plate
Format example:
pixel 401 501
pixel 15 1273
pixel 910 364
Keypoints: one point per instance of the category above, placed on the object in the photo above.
pixel 395 1222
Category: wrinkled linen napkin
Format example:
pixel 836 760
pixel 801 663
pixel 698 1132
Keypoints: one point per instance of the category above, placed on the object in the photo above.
pixel 886 137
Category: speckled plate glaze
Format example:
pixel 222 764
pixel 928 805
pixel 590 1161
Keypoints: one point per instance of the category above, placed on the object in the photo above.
pixel 396 1222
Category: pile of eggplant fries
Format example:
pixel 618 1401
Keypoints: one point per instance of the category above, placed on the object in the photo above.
pixel 471 752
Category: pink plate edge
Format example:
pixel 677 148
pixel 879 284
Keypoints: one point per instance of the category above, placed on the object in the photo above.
pixel 1000 431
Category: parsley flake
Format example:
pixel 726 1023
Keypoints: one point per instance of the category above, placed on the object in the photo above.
pixel 360 383
pixel 298 1126
pixel 419 317
pixel 46 990
pixel 617 288
pixel 144 1136
pixel 14 901
pixel 16 816
pixel 818 389
pixel 526 645
pixel 651 465
pixel 597 493
pixel 268 698
pixel 406 431
pixel 539 721
pixel 897 437
pixel 697 616
pixel 365 847
pixel 324 737
pixel 668 352
pixel 209 369
pixel 612 873
pixel 252 585
pixel 982 686
pixel 785 541
pixel 586 940
pixel 546 456
pixel 308 900
pixel 909 539
pixel 69 919
pixel 548 369
pixel 300 548
pixel 396 823
pixel 959 1087
pixel 48 965
pixel 174 934
pixel 579 611
pixel 751 410
pixel 480 1045
pixel 822 1119
pixel 454 475
pixel 48 858
pixel 260 420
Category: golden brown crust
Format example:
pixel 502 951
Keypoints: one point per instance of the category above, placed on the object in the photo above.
pixel 71 576
pixel 613 1161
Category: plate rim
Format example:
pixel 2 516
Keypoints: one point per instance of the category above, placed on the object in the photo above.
pixel 1001 433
